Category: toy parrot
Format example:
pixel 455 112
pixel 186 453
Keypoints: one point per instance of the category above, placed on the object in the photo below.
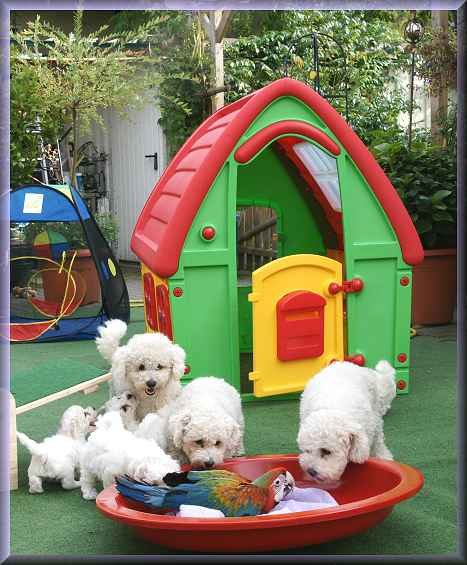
pixel 222 490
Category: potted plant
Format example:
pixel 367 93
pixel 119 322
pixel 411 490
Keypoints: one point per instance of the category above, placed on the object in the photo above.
pixel 425 178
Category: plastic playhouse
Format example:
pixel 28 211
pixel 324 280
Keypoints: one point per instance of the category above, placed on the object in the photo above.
pixel 337 284
pixel 64 279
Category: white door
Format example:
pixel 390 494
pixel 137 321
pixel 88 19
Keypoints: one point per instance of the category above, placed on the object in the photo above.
pixel 133 175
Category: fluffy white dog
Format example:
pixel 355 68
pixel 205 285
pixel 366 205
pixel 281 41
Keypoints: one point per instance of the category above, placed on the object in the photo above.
pixel 341 418
pixel 154 426
pixel 125 404
pixel 205 424
pixel 57 457
pixel 149 365
pixel 112 450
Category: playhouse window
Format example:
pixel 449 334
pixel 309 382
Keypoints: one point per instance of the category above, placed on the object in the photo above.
pixel 323 168
pixel 256 238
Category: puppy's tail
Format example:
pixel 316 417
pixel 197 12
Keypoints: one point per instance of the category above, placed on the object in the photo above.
pixel 109 338
pixel 386 384
pixel 32 446
pixel 385 368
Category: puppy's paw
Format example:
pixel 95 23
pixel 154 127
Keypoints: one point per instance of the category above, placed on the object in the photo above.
pixel 36 490
pixel 89 494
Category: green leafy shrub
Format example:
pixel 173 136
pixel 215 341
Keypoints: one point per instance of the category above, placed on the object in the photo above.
pixel 108 226
pixel 28 102
pixel 374 52
pixel 425 179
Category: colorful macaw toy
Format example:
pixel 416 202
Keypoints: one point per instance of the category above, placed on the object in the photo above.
pixel 228 492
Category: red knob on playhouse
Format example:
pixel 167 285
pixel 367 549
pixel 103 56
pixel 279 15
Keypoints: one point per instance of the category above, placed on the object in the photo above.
pixel 208 233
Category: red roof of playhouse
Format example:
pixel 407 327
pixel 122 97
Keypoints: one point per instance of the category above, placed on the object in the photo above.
pixel 164 222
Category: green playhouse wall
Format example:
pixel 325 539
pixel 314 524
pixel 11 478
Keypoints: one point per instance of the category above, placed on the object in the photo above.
pixel 206 316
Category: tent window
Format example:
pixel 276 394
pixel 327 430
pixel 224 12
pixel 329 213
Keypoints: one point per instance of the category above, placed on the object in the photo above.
pixel 41 282
pixel 323 169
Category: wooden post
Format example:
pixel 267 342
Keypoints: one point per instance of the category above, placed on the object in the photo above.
pixel 439 99
pixel 214 23
pixel 13 446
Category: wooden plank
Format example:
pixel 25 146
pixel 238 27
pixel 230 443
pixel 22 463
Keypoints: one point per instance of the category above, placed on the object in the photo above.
pixel 256 230
pixel 258 251
pixel 220 28
pixel 62 393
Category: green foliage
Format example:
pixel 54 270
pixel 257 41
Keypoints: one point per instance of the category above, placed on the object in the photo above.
pixel 372 42
pixel 437 60
pixel 26 104
pixel 425 179
pixel 76 76
pixel 374 52
pixel 108 226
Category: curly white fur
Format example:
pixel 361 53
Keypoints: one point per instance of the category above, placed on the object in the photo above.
pixel 341 418
pixel 110 335
pixel 149 365
pixel 125 404
pixel 57 457
pixel 112 450
pixel 206 423
pixel 154 426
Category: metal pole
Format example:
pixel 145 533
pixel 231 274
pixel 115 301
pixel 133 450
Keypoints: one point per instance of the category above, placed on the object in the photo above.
pixel 42 160
pixel 412 73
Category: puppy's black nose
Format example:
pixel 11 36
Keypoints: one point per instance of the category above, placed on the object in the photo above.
pixel 209 463
pixel 129 396
pixel 151 383
pixel 312 472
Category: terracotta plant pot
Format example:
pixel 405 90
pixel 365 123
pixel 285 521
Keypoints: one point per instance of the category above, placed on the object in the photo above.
pixel 434 288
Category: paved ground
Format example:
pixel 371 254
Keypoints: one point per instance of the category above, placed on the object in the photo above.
pixel 132 274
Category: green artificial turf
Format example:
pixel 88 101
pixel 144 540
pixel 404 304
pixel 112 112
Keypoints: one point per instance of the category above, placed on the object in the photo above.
pixel 40 369
pixel 420 430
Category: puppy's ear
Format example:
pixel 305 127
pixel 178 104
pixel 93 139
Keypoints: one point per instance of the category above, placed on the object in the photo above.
pixel 235 440
pixel 77 425
pixel 359 446
pixel 177 361
pixel 178 426
pixel 118 370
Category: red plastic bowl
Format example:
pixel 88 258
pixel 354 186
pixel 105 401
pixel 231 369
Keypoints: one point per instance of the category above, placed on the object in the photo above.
pixel 366 496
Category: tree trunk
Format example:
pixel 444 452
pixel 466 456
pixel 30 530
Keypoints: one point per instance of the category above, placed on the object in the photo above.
pixel 439 99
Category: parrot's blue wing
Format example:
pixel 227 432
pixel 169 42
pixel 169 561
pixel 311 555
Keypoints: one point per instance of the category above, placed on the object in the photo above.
pixel 141 492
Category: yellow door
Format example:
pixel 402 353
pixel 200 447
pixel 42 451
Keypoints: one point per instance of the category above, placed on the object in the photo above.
pixel 297 323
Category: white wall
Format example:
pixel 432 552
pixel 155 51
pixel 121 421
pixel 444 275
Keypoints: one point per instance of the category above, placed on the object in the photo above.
pixel 130 177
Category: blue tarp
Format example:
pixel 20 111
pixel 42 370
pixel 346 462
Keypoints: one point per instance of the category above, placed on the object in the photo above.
pixel 69 329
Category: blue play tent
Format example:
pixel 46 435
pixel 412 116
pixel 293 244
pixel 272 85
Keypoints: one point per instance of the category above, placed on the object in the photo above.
pixel 64 278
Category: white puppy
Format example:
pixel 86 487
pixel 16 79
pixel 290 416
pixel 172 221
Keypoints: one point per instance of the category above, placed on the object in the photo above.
pixel 206 424
pixel 154 426
pixel 57 457
pixel 112 450
pixel 125 404
pixel 149 365
pixel 341 418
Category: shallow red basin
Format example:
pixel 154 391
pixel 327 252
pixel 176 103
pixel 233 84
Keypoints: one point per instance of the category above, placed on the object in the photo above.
pixel 366 496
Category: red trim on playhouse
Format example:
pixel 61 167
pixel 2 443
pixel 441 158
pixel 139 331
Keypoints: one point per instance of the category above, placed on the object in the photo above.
pixel 166 218
pixel 285 127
